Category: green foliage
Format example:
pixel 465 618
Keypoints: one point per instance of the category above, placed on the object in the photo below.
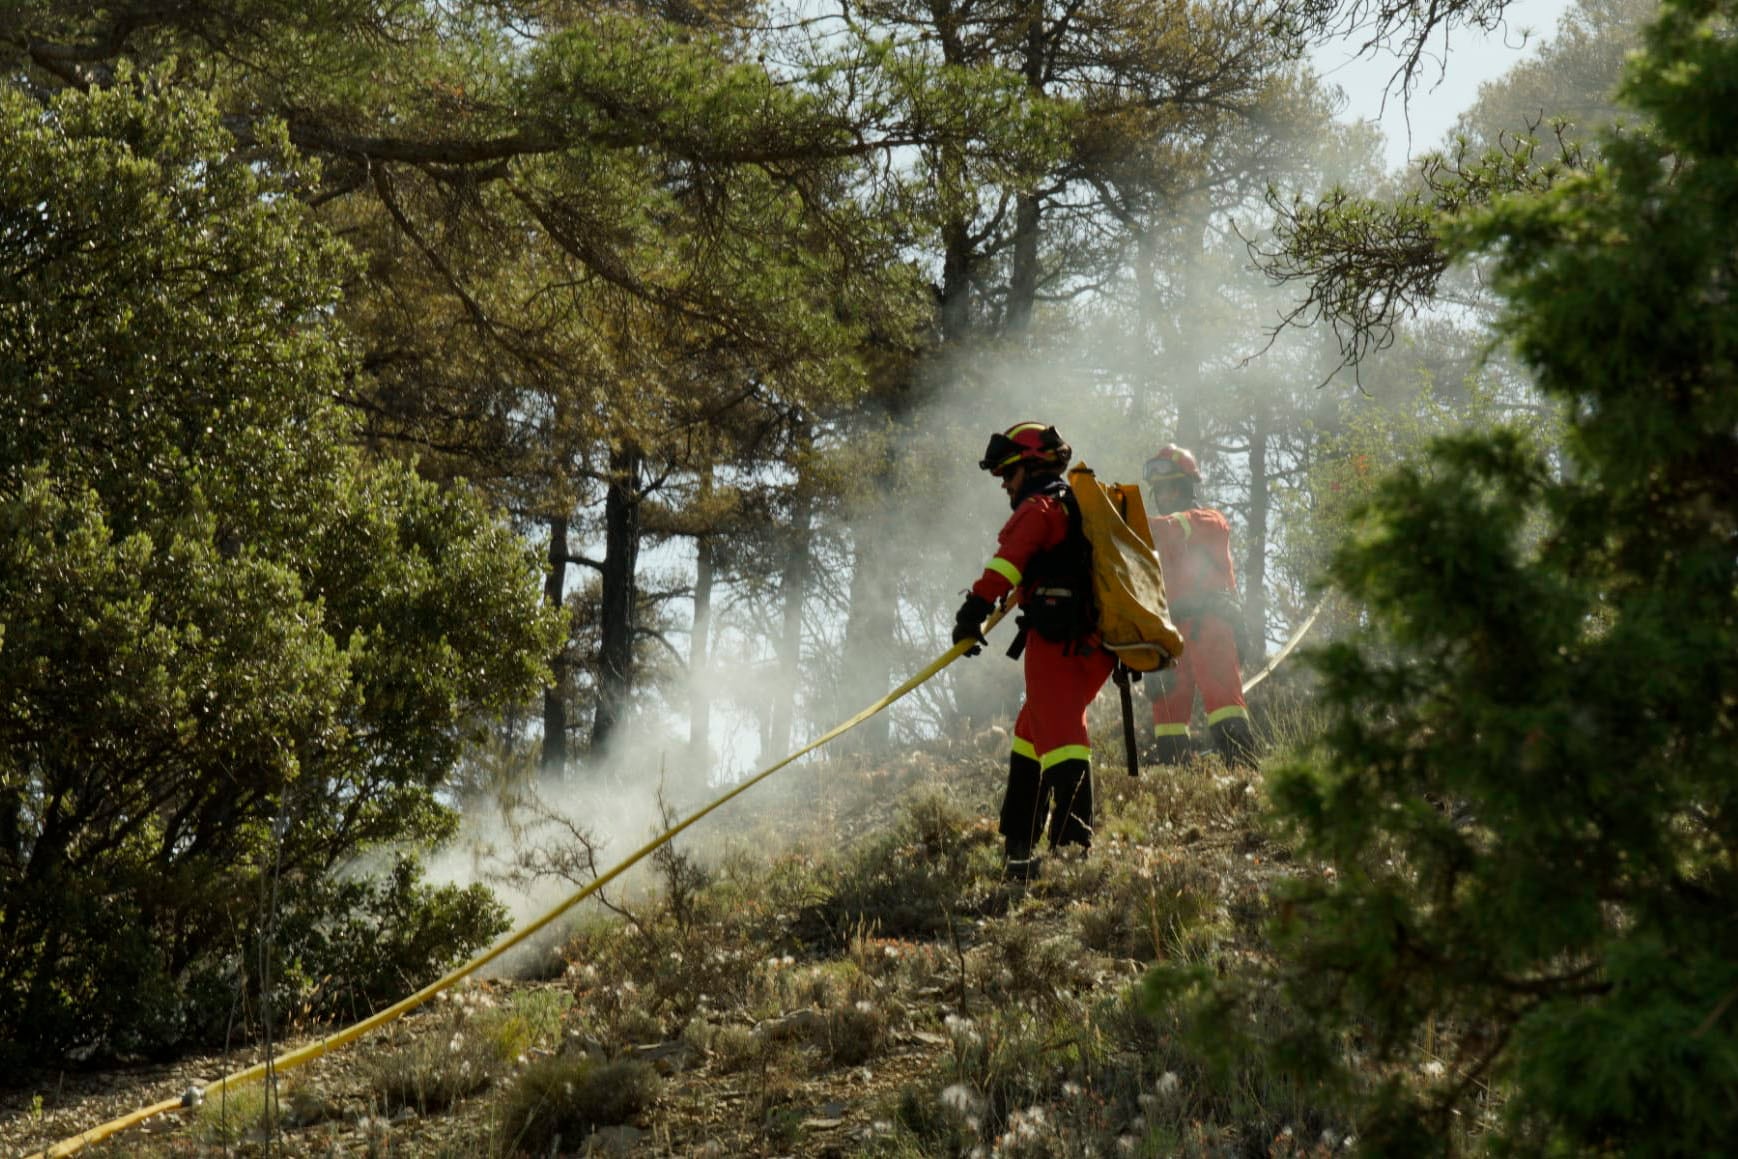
pixel 1368 263
pixel 1524 790
pixel 352 944
pixel 235 655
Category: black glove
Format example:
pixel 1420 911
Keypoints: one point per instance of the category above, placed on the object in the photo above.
pixel 968 622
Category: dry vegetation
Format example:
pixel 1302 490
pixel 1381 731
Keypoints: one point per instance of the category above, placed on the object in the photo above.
pixel 882 994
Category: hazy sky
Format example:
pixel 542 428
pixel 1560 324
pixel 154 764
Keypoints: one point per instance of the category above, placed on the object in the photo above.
pixel 1443 92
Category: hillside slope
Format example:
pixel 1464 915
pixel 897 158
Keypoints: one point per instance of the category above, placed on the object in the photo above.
pixel 870 987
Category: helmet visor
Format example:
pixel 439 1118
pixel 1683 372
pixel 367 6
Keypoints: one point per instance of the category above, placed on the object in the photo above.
pixel 1001 454
pixel 1161 469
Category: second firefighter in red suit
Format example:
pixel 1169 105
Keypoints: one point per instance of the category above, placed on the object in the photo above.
pixel 1194 545
pixel 1042 557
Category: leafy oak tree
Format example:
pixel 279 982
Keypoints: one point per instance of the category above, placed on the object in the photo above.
pixel 1525 790
pixel 235 656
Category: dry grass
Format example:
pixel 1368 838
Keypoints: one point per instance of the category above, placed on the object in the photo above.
pixel 557 1102
pixel 872 987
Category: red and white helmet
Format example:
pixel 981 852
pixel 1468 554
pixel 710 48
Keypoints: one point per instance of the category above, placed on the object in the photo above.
pixel 1031 444
pixel 1172 462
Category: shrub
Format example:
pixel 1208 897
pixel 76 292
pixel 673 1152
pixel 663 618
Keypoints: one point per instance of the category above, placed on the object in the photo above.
pixel 855 1033
pixel 566 1098
pixel 913 880
pixel 237 653
pixel 1160 908
pixel 438 1069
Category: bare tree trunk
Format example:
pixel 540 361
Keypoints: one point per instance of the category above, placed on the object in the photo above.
pixel 869 639
pixel 955 307
pixel 1023 279
pixel 699 641
pixel 1255 537
pixel 795 590
pixel 1187 365
pixel 615 654
pixel 554 759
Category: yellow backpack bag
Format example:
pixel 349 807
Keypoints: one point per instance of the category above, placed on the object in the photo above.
pixel 1127 582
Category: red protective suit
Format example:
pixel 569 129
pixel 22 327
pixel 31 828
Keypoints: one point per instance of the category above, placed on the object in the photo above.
pixel 1050 766
pixel 1195 551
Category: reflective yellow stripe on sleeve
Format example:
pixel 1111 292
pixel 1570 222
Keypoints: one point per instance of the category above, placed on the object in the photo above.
pixel 1004 569
pixel 1226 713
pixel 1171 729
pixel 1023 748
pixel 1068 752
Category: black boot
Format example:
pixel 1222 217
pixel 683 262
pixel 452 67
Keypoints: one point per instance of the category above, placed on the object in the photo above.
pixel 1022 868
pixel 1022 817
pixel 1070 786
pixel 1170 749
pixel 1236 743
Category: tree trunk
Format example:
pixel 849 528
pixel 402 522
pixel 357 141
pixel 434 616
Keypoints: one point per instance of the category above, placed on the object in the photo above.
pixel 554 761
pixel 699 640
pixel 955 307
pixel 868 662
pixel 795 591
pixel 1023 279
pixel 1255 538
pixel 615 654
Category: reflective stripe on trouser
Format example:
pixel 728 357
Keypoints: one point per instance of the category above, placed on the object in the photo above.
pixel 1049 771
pixel 1208 662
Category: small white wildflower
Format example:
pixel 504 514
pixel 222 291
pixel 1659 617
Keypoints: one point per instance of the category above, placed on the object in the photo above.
pixel 1071 1089
pixel 1126 1144
pixel 960 1097
pixel 1167 1083
pixel 1433 1068
pixel 456 1044
pixel 864 1006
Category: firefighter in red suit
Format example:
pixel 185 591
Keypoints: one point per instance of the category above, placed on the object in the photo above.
pixel 1042 558
pixel 1194 544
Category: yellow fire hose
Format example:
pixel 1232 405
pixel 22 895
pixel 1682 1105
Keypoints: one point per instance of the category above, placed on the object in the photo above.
pixel 1296 639
pixel 331 1042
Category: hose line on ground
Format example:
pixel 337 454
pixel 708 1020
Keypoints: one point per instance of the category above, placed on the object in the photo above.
pixel 313 1050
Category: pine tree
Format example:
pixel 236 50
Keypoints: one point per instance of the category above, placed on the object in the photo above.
pixel 1525 791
